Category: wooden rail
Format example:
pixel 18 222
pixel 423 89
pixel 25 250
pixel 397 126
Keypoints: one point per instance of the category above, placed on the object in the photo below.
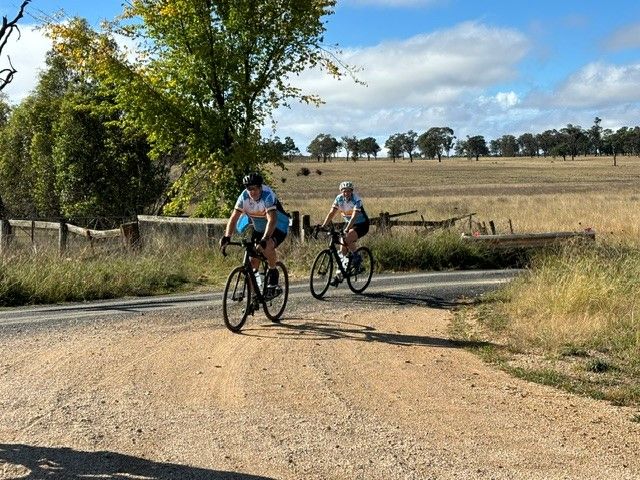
pixel 7 231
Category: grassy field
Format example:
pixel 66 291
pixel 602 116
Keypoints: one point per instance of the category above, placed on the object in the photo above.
pixel 537 195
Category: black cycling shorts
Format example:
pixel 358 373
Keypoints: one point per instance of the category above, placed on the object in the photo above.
pixel 361 228
pixel 278 236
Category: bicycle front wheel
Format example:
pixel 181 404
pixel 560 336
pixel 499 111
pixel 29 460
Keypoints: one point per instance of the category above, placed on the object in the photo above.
pixel 359 280
pixel 321 273
pixel 275 302
pixel 236 300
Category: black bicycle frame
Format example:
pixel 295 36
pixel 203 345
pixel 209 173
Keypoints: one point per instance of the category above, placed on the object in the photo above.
pixel 249 253
pixel 336 239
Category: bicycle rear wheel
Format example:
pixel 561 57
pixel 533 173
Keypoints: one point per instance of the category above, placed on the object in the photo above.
pixel 236 302
pixel 321 274
pixel 274 305
pixel 359 280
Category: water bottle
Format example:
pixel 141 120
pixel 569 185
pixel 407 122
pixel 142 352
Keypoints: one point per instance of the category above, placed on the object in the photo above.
pixel 259 279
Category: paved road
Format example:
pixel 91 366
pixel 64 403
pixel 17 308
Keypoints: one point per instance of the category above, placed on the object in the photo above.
pixel 433 289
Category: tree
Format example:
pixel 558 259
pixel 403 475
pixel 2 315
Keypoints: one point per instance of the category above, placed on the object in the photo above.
pixel 595 136
pixel 528 144
pixel 350 145
pixel 369 146
pixel 394 146
pixel 323 146
pixel 435 141
pixel 207 75
pixel 507 146
pixel 476 146
pixel 574 137
pixel 409 143
pixel 6 29
pixel 289 148
pixel 62 153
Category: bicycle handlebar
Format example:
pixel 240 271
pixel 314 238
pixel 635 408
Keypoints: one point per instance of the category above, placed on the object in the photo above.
pixel 250 244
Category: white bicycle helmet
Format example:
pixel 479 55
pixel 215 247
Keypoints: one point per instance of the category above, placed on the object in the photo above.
pixel 348 185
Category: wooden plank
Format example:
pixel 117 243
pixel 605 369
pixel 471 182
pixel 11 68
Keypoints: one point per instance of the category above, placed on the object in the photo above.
pixel 86 232
pixel 182 220
pixel 35 224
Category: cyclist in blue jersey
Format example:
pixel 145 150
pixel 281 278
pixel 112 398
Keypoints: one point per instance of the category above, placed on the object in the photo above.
pixel 350 206
pixel 270 221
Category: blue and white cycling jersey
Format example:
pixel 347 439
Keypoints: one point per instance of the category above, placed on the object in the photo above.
pixel 347 207
pixel 257 209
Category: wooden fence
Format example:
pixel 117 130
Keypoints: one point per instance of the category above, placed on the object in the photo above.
pixel 127 232
pixel 185 230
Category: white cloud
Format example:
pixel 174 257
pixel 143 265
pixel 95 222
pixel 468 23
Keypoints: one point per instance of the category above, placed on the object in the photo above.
pixel 596 85
pixel 625 37
pixel 428 69
pixel 427 80
pixel 27 53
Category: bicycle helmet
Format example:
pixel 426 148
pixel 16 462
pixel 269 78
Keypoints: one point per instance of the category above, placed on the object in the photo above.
pixel 348 185
pixel 252 179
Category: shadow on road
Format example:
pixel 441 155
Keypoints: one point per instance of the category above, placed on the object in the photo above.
pixel 412 299
pixel 67 463
pixel 322 329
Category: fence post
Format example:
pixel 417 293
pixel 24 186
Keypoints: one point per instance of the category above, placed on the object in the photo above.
pixel 492 226
pixel 306 227
pixel 62 238
pixel 5 235
pixel 383 224
pixel 130 235
pixel 295 225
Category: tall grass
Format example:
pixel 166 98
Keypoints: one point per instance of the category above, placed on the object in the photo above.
pixel 573 318
pixel 588 298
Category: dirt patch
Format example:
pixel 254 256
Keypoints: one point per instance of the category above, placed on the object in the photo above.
pixel 372 394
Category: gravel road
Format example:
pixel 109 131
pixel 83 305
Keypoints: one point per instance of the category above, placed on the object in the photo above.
pixel 337 391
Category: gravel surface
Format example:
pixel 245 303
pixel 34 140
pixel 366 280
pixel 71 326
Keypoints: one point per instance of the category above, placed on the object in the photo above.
pixel 372 393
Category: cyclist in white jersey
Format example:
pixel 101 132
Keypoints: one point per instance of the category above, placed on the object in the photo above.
pixel 350 206
pixel 270 222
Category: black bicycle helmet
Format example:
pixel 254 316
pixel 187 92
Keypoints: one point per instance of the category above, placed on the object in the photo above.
pixel 252 179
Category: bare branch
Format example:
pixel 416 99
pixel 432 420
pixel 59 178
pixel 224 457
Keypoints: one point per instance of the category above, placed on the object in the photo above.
pixel 7 28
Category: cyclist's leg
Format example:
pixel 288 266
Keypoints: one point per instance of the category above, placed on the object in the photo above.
pixel 255 262
pixel 359 230
pixel 271 254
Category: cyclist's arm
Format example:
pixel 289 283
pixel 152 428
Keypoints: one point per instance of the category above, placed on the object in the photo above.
pixel 272 216
pixel 231 224
pixel 329 216
pixel 352 220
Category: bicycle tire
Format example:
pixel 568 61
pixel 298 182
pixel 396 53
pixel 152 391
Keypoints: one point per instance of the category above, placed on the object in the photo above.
pixel 236 300
pixel 358 282
pixel 274 307
pixel 321 274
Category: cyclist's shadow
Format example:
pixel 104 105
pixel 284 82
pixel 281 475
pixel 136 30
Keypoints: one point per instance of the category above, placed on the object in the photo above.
pixel 323 329
pixel 31 462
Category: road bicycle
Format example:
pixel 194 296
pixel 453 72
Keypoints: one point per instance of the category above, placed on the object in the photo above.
pixel 328 260
pixel 244 293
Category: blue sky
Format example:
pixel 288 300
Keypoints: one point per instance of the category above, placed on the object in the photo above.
pixel 487 68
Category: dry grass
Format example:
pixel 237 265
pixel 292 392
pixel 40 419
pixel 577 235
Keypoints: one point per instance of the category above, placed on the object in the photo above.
pixel 537 195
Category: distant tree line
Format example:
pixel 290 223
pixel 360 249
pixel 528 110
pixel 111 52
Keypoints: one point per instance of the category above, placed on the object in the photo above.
pixel 436 142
